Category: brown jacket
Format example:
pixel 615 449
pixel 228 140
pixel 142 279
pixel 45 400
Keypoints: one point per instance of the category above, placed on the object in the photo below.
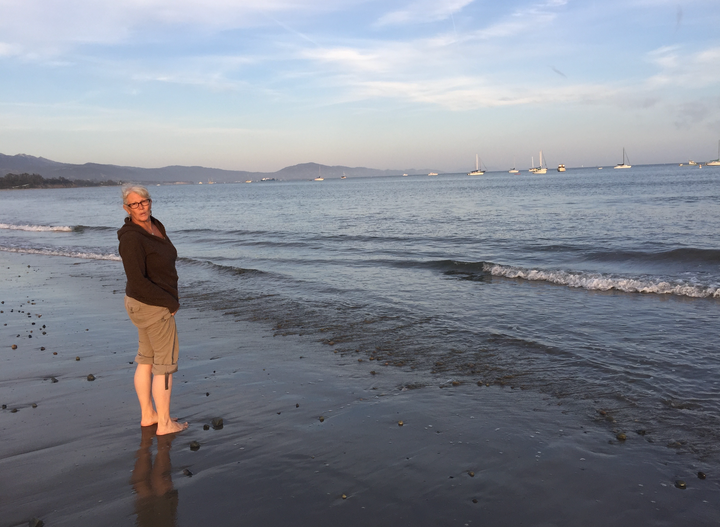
pixel 149 263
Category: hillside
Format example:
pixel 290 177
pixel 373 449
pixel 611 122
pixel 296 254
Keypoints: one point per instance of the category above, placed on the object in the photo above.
pixel 47 168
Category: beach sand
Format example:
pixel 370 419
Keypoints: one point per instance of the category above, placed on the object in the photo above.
pixel 309 437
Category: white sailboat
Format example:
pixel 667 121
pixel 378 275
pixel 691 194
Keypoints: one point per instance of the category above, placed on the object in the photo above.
pixel 540 169
pixel 514 170
pixel 623 164
pixel 477 171
pixel 715 162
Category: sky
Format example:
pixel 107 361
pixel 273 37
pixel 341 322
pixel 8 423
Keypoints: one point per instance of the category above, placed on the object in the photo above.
pixel 263 84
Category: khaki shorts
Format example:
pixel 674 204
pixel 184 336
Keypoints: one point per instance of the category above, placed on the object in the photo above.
pixel 157 336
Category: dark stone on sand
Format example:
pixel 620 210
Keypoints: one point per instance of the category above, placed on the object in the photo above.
pixel 194 446
pixel 641 432
pixel 681 484
pixel 13 411
pixel 4 406
pixel 206 427
pixel 187 473
pixel 91 377
pixel 36 522
pixel 54 352
pixel 29 336
pixel 34 405
pixel 297 406
pixel 217 423
pixel 14 346
pixel 53 379
pixel 471 473
pixel 621 437
pixel 400 423
pixel 321 418
pixel 456 383
pixel 373 372
pixel 42 348
pixel 78 358
pixel 474 500
pixel 701 475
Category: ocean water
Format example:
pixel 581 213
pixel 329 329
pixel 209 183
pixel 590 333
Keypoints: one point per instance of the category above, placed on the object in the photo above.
pixel 600 288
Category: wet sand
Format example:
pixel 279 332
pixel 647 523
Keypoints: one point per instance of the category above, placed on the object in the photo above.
pixel 464 455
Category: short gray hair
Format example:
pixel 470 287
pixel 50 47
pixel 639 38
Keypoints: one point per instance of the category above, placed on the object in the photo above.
pixel 128 188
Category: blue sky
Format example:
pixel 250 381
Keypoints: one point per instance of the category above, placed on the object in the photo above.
pixel 263 84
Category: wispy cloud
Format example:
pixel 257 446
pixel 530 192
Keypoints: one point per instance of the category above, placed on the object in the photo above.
pixel 423 11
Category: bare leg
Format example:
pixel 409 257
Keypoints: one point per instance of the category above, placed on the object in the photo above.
pixel 161 396
pixel 143 382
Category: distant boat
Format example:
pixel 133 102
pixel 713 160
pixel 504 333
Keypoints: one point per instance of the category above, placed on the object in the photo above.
pixel 319 178
pixel 514 170
pixel 477 171
pixel 623 164
pixel 561 168
pixel 405 175
pixel 540 169
pixel 691 162
pixel 715 162
pixel 433 174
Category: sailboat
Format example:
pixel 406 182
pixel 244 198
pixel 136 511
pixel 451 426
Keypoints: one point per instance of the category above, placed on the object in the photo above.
pixel 623 164
pixel 540 169
pixel 477 171
pixel 514 170
pixel 715 162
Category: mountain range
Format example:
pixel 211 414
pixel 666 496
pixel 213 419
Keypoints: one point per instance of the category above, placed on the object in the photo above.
pixel 22 163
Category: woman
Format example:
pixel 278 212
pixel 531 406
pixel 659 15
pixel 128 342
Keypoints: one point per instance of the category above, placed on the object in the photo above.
pixel 151 300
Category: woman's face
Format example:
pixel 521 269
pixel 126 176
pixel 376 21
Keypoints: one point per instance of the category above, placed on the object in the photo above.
pixel 140 214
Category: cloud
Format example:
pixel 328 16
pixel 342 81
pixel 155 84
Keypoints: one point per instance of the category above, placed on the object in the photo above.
pixel 693 70
pixel 423 11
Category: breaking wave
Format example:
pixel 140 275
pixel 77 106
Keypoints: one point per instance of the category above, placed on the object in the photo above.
pixel 62 252
pixel 36 228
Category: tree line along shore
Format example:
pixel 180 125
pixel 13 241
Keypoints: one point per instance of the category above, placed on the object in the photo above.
pixel 22 181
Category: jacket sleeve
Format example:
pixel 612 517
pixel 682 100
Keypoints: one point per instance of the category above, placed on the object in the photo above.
pixel 133 258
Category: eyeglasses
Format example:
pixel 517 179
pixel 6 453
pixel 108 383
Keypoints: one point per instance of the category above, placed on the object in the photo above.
pixel 144 203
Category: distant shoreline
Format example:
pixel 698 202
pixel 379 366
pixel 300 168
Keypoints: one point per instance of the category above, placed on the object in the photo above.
pixel 36 181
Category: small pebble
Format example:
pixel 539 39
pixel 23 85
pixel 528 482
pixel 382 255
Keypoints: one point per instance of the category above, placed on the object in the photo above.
pixel 53 379
pixel 4 406
pixel 54 352
pixel 91 377
pixel 14 346
pixel 680 484
pixel 206 427
pixel 344 497
pixel 42 348
pixel 297 406
pixel 36 522
pixel 34 405
pixel 194 446
pixel 78 358
pixel 207 394
pixel 321 418
pixel 13 411
pixel 471 474
pixel 701 475
pixel 217 423
pixel 372 372
pixel 621 437
pixel 187 473
pixel 456 383
pixel 474 500
pixel 400 423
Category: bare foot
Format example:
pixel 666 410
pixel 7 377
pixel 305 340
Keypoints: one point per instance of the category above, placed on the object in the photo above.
pixel 172 427
pixel 149 420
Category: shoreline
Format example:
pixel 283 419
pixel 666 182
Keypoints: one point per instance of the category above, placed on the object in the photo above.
pixel 75 458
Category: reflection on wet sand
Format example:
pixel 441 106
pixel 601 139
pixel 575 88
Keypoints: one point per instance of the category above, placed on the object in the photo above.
pixel 156 499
